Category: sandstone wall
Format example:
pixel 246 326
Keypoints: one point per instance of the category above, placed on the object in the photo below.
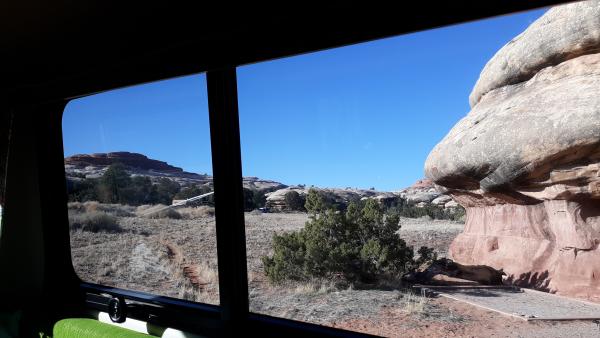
pixel 525 161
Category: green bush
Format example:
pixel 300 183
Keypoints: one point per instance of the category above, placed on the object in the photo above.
pixel 117 186
pixel 260 199
pixel 255 198
pixel 407 209
pixel 96 221
pixel 426 255
pixel 361 245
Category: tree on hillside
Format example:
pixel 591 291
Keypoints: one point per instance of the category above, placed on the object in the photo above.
pixel 315 202
pixel 82 190
pixel 294 201
pixel 139 191
pixel 165 190
pixel 114 180
pixel 248 199
pixel 193 191
pixel 259 199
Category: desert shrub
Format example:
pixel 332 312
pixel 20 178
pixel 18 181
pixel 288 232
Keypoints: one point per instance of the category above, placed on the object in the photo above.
pixel 259 199
pixel 426 255
pixel 458 214
pixel 166 213
pixel 202 211
pixel 145 208
pixel 320 200
pixel 166 189
pixel 412 303
pixel 410 210
pixel 361 245
pixel 117 186
pixel 316 202
pixel 96 221
pixel 82 190
pixel 294 201
pixel 118 210
pixel 254 199
pixel 157 211
pixel 113 183
pixel 249 199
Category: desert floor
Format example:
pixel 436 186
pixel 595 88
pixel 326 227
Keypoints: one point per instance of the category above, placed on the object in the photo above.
pixel 177 258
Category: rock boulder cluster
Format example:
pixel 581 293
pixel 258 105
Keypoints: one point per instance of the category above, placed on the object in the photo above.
pixel 422 193
pixel 525 161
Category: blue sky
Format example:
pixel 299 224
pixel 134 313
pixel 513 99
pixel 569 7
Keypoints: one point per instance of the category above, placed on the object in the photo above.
pixel 363 116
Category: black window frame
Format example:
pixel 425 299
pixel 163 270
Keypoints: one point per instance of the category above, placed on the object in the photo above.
pixel 70 296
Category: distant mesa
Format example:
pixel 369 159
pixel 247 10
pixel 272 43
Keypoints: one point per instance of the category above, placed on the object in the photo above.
pixel 525 161
pixel 94 165
pixel 133 160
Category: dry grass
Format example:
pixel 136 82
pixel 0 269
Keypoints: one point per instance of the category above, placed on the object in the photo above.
pixel 93 206
pixel 95 221
pixel 198 282
pixel 157 211
pixel 315 287
pixel 412 302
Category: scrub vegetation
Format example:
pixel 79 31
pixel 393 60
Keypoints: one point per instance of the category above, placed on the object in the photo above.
pixel 360 244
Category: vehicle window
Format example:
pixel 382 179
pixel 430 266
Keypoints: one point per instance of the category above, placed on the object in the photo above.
pixel 437 158
pixel 141 211
pixel 5 129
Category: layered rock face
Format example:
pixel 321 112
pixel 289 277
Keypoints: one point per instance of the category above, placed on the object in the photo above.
pixel 525 161
pixel 134 160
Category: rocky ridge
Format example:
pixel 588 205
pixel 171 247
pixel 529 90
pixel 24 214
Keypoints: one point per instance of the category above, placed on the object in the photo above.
pixel 421 193
pixel 94 165
pixel 77 167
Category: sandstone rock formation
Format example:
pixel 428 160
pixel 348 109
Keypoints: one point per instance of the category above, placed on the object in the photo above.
pixel 525 161
pixel 259 184
pixel 133 160
pixel 421 193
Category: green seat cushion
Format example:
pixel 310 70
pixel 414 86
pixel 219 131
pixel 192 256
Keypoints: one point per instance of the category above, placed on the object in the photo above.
pixel 91 328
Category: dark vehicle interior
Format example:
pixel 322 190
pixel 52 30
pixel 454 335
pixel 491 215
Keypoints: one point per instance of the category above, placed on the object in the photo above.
pixel 54 51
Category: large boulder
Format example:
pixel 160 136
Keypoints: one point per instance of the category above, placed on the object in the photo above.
pixel 563 33
pixel 525 161
pixel 422 191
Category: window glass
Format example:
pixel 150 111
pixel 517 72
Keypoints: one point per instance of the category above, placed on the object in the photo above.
pixel 141 211
pixel 346 214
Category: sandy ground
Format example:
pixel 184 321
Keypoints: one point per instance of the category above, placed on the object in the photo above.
pixel 177 258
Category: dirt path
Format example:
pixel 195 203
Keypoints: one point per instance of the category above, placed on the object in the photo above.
pixel 447 318
pixel 527 304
